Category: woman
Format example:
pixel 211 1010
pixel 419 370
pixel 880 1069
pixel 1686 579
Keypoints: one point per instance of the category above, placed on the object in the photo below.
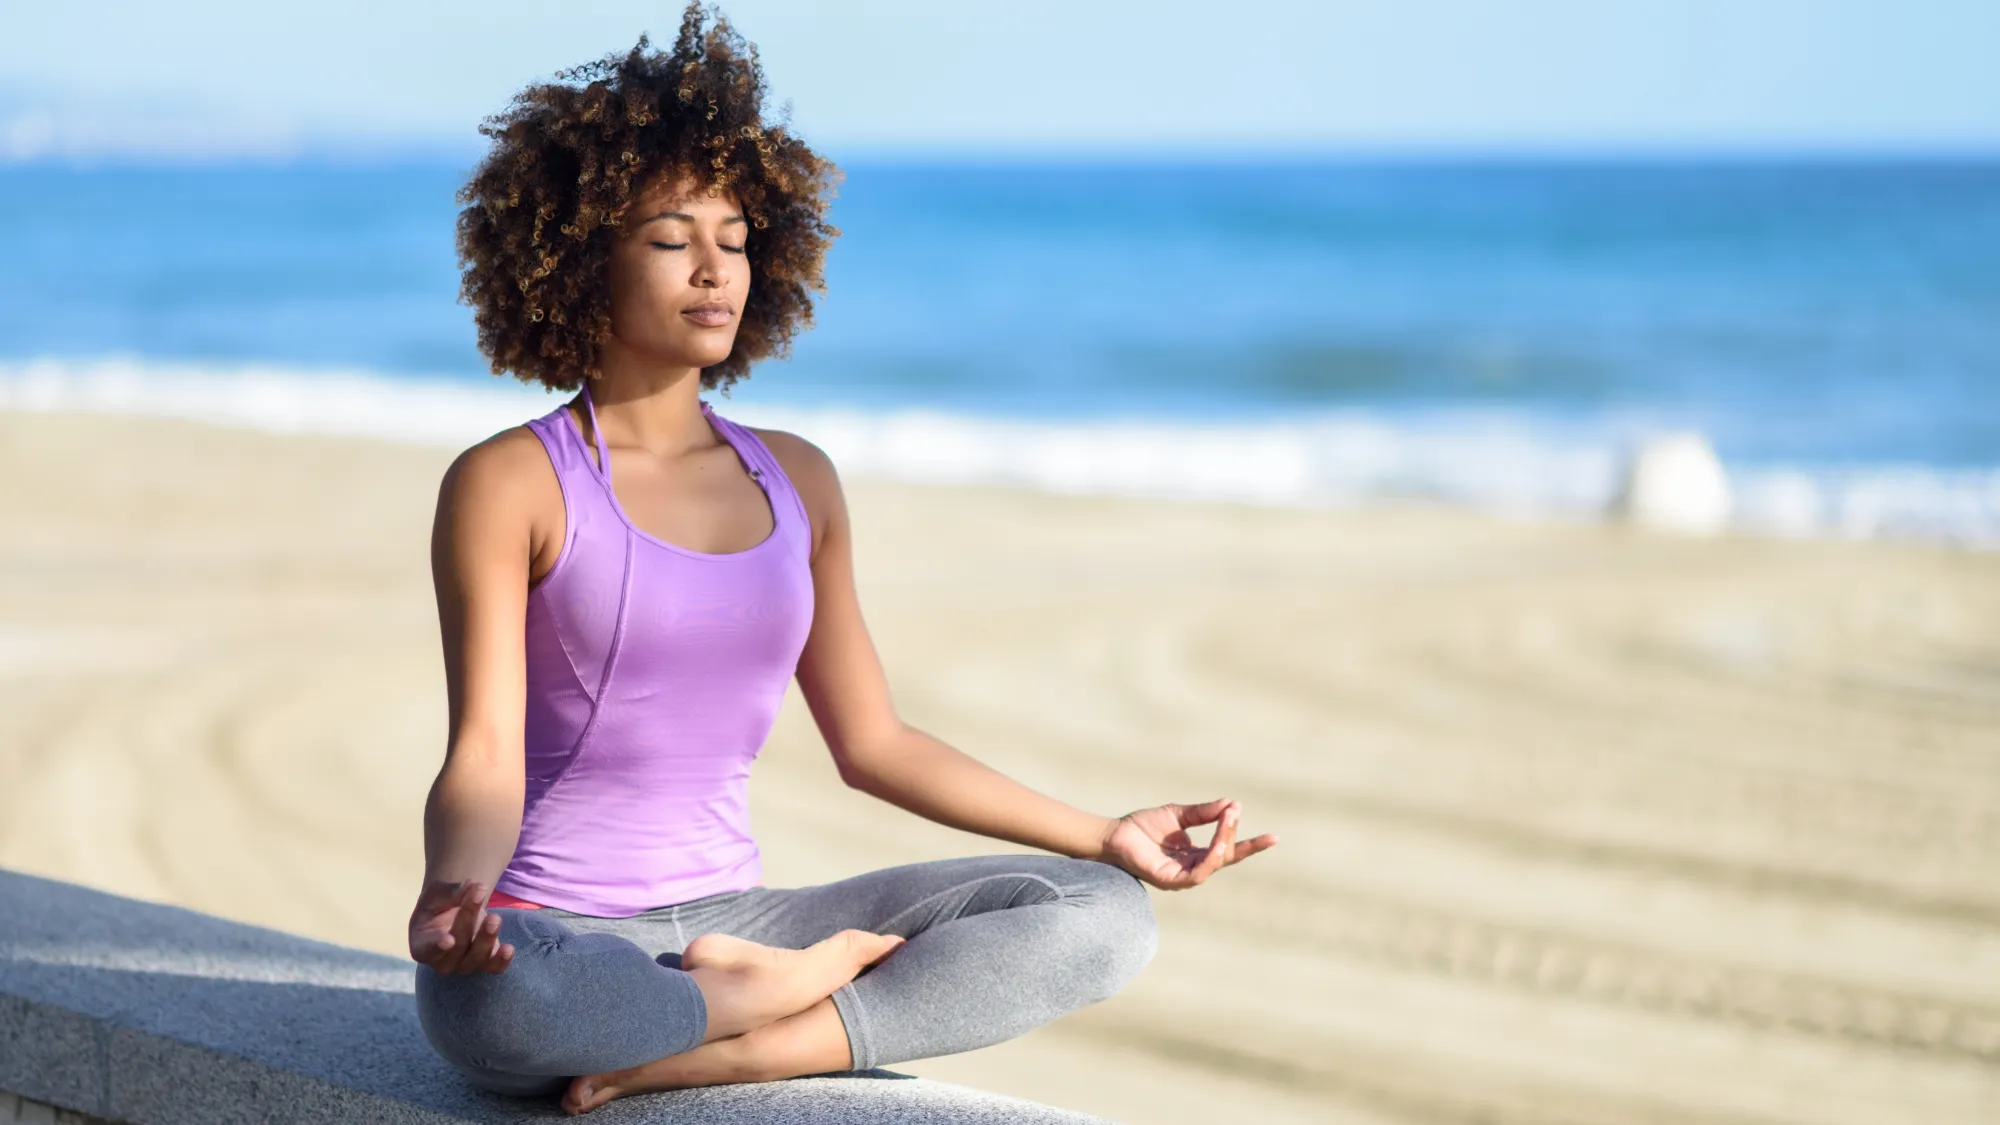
pixel 625 586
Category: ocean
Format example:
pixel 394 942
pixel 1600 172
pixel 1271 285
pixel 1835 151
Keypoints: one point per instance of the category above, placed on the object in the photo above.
pixel 1492 334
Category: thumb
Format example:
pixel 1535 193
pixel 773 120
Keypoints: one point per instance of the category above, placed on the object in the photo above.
pixel 1205 813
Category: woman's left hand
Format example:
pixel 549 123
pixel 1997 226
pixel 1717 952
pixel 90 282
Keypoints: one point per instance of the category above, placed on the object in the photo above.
pixel 1153 843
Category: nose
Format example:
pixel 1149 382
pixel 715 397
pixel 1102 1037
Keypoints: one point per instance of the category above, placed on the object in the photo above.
pixel 708 269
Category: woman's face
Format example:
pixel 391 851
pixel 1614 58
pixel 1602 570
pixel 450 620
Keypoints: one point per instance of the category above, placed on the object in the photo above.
pixel 679 276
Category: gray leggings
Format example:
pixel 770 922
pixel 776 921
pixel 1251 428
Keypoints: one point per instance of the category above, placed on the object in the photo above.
pixel 997 945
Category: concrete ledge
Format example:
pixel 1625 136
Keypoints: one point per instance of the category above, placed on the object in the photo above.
pixel 17 1110
pixel 143 1014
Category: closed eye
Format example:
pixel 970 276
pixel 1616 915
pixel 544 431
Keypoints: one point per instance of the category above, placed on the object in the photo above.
pixel 683 246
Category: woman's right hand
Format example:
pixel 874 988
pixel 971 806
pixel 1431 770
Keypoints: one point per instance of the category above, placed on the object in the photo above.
pixel 451 931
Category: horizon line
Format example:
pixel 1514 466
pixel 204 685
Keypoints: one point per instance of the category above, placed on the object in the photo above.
pixel 1090 154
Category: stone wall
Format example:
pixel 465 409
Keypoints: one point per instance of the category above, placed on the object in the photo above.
pixel 117 1010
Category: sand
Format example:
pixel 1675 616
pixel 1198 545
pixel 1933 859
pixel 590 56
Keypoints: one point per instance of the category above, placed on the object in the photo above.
pixel 1579 825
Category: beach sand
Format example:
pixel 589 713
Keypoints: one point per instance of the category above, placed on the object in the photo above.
pixel 1579 825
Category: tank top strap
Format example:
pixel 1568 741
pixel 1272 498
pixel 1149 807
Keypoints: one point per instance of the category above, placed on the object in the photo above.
pixel 603 465
pixel 770 473
pixel 564 444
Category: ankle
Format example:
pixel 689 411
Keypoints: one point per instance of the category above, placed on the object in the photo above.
pixel 722 993
pixel 812 1042
pixel 751 1057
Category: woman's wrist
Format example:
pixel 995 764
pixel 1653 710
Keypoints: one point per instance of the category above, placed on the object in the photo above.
pixel 1100 844
pixel 1073 832
pixel 1070 831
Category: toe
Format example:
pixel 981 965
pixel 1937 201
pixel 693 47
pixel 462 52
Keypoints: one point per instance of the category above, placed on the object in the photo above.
pixel 866 948
pixel 585 1094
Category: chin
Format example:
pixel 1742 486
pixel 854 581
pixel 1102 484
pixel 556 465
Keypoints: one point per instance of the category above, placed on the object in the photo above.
pixel 691 354
pixel 707 358
pixel 706 349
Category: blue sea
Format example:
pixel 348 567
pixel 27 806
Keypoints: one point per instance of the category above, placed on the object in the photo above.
pixel 1492 334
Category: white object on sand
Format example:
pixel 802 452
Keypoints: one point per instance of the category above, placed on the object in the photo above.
pixel 1676 483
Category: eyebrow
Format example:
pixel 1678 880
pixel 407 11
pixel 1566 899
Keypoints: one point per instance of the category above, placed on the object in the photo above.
pixel 685 217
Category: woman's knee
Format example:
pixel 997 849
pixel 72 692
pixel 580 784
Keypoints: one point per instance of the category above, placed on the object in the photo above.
pixel 1112 933
pixel 481 1021
pixel 570 1002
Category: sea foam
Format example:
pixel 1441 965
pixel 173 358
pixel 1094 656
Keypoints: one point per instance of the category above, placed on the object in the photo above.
pixel 1491 461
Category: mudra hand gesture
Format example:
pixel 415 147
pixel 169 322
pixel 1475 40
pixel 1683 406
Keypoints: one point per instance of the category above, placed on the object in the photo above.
pixel 452 932
pixel 1153 843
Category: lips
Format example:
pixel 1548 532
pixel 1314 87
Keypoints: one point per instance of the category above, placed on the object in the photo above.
pixel 709 316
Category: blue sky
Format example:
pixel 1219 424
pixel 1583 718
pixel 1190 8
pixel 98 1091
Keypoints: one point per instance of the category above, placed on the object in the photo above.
pixel 222 77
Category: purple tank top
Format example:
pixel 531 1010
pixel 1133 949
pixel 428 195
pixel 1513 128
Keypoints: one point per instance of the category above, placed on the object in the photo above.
pixel 654 674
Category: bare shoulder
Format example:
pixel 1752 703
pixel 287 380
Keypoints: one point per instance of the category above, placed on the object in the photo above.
pixel 501 493
pixel 811 473
pixel 810 469
pixel 511 463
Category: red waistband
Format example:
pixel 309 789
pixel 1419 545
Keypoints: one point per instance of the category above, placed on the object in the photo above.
pixel 502 898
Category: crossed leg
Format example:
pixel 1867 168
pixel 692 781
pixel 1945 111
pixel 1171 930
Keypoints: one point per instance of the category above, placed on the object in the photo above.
pixel 996 946
pixel 579 999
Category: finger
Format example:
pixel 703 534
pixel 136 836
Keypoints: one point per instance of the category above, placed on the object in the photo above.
pixel 484 946
pixel 1204 813
pixel 502 957
pixel 453 942
pixel 457 941
pixel 1219 849
pixel 1246 848
pixel 477 923
pixel 437 954
pixel 1177 871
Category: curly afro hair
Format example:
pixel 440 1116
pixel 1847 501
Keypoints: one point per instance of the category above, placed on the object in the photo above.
pixel 569 158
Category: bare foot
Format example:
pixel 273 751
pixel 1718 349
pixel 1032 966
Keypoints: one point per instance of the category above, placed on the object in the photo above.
pixel 811 1042
pixel 711 1064
pixel 748 987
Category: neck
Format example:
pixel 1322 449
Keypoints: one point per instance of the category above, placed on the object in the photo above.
pixel 652 405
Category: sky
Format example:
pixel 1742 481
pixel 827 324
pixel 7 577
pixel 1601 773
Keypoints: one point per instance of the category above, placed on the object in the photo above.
pixel 222 78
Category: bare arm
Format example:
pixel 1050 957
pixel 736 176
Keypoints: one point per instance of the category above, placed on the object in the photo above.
pixel 480 556
pixel 876 752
